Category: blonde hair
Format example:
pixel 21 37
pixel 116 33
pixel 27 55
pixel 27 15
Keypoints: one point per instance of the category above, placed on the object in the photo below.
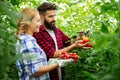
pixel 26 17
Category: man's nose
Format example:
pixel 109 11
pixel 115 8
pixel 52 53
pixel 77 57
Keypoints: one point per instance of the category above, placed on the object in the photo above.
pixel 54 18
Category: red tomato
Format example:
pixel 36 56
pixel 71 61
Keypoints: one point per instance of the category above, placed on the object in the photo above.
pixel 68 56
pixel 75 60
pixel 83 37
pixel 65 57
pixel 62 56
pixel 64 53
pixel 81 42
pixel 75 56
pixel 88 45
pixel 85 40
pixel 71 55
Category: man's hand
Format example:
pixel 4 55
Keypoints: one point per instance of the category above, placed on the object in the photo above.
pixel 79 44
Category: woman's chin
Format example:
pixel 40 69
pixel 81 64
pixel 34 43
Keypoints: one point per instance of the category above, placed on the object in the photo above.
pixel 37 30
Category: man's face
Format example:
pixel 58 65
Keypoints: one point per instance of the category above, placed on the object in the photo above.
pixel 49 19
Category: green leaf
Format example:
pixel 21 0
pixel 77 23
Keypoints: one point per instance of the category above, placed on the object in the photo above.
pixel 104 28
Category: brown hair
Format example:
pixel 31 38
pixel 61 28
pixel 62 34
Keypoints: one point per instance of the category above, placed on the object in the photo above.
pixel 46 6
pixel 26 17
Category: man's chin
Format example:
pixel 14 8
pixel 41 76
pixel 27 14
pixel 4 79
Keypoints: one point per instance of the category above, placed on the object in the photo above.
pixel 53 28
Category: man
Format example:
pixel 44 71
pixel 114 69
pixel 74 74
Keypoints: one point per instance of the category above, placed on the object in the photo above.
pixel 51 39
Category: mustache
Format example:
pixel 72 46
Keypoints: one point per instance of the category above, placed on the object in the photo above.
pixel 52 21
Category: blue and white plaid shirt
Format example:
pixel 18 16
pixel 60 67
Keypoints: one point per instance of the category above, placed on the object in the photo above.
pixel 32 58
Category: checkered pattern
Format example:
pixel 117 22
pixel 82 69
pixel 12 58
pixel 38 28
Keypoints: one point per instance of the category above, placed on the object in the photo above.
pixel 46 42
pixel 32 58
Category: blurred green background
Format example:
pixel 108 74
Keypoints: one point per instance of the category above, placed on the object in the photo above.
pixel 100 17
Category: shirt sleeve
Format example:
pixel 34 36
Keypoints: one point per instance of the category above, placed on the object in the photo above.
pixel 30 57
pixel 66 39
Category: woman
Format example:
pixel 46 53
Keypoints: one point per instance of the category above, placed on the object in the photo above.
pixel 33 63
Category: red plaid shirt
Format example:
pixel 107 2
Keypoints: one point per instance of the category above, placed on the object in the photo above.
pixel 46 42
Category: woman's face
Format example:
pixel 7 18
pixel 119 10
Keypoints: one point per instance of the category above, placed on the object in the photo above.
pixel 35 24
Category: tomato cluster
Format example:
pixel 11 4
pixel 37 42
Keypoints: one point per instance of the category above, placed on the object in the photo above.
pixel 65 55
pixel 85 40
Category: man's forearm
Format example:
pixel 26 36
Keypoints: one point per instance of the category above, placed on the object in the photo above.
pixel 67 49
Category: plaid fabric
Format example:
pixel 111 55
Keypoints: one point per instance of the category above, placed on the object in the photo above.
pixel 46 42
pixel 32 58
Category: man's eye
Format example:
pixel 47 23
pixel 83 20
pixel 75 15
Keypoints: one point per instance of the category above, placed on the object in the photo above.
pixel 50 16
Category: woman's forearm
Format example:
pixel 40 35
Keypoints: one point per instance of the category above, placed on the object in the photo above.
pixel 45 69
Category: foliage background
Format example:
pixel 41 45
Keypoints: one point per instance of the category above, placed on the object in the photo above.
pixel 100 17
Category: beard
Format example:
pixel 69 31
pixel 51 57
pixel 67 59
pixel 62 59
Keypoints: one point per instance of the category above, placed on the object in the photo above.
pixel 50 25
